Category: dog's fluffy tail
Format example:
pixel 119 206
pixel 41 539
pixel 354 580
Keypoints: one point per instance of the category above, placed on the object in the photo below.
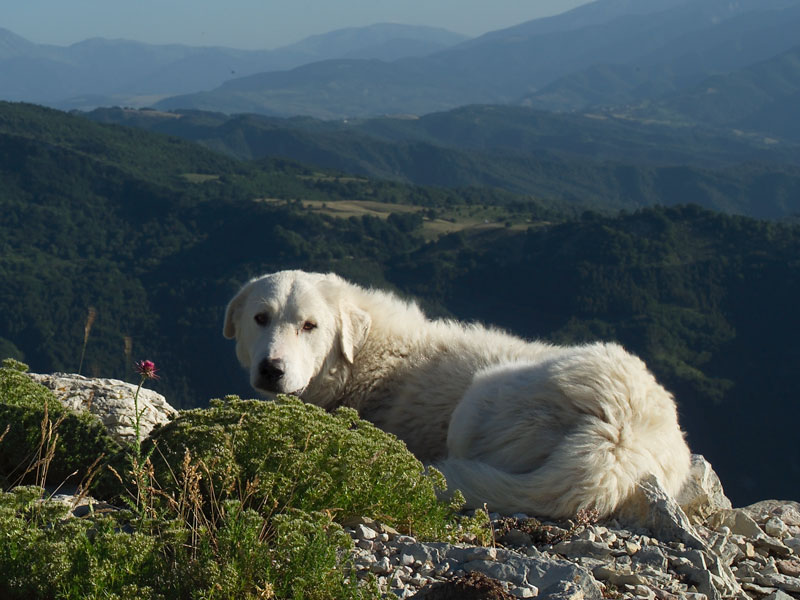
pixel 575 432
pixel 558 489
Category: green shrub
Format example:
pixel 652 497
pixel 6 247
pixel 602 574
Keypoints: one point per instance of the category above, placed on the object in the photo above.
pixel 43 555
pixel 287 454
pixel 240 501
pixel 18 389
pixel 38 422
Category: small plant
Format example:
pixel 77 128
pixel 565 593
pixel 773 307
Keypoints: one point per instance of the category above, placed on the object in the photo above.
pixel 542 534
pixel 147 370
pixel 140 466
pixel 586 517
pixel 478 528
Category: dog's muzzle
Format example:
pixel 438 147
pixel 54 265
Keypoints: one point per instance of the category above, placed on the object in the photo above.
pixel 270 374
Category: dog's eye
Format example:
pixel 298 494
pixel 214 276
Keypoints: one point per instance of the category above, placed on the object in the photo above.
pixel 262 319
pixel 308 326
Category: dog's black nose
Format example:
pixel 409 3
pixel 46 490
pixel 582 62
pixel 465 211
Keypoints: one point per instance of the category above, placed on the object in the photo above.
pixel 270 371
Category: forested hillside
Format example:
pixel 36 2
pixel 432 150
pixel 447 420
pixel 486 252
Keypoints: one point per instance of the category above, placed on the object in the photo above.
pixel 583 160
pixel 131 222
pixel 157 233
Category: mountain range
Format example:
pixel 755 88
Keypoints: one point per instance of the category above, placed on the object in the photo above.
pixel 99 71
pixel 654 59
pixel 608 52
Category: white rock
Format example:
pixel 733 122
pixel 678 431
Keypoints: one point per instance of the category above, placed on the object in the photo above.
pixel 582 548
pixel 782 582
pixel 366 561
pixel 471 553
pixel 702 493
pixel 643 591
pixel 524 592
pixel 606 573
pixel 406 560
pixel 770 545
pixel 737 521
pixel 776 528
pixel 787 511
pixel 381 567
pixel 365 544
pixel 632 547
pixel 443 568
pixel 650 556
pixel 111 401
pixel 365 533
pixel 586 534
pixel 405 539
pixel 653 509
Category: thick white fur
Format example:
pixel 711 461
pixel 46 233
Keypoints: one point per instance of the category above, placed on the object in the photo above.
pixel 520 426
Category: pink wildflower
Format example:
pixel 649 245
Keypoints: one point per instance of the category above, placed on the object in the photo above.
pixel 147 369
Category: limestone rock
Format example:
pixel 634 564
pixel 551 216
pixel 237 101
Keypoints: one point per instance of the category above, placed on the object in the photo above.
pixel 110 400
pixel 653 509
pixel 777 580
pixel 579 547
pixel 737 521
pixel 787 511
pixel 702 494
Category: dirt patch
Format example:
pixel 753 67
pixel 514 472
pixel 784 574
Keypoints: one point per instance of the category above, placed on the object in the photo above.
pixel 475 586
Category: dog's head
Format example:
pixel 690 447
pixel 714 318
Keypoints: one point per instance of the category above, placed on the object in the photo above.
pixel 292 326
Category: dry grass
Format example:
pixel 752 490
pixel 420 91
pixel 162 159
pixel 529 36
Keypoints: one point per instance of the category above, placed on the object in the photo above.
pixel 452 221
pixel 87 329
pixel 199 177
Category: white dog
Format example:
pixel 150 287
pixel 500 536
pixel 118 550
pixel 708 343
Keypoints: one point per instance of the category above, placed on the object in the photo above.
pixel 520 426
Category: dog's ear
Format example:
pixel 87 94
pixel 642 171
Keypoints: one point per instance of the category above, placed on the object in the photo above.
pixel 232 313
pixel 355 327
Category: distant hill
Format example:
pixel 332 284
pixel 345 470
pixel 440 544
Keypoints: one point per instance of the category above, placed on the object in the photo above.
pixel 607 51
pixel 99 72
pixel 762 97
pixel 571 159
pixel 156 233
pixel 713 45
pixel 338 88
pixel 383 41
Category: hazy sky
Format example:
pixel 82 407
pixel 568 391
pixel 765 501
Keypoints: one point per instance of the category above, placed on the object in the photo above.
pixel 254 23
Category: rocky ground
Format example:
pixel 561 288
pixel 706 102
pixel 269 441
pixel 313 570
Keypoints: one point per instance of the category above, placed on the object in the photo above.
pixel 738 553
pixel 696 546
